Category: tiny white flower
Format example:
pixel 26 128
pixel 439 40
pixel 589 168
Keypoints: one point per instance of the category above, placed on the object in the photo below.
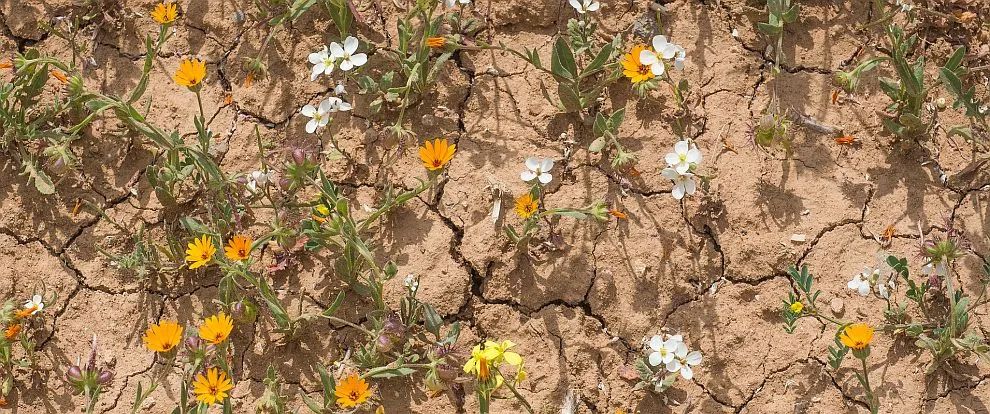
pixel 684 158
pixel 451 3
pixel 322 62
pixel 584 6
pixel 884 289
pixel 256 180
pixel 663 351
pixel 338 105
pixel 411 282
pixel 905 6
pixel 348 59
pixel 860 283
pixel 319 116
pixel 680 56
pixel 36 303
pixel 339 89
pixel 684 184
pixel 662 49
pixel 539 169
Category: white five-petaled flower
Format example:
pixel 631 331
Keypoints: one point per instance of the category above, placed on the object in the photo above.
pixel 323 63
pixel 337 104
pixel 584 6
pixel 36 303
pixel 451 3
pixel 665 351
pixel 348 59
pixel 684 158
pixel 319 116
pixel 539 169
pixel 257 179
pixel 662 49
pixel 684 184
pixel 683 361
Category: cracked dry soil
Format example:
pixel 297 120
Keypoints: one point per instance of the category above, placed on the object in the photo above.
pixel 711 268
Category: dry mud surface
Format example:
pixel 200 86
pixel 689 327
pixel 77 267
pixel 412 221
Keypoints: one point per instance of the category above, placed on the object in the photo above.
pixel 711 267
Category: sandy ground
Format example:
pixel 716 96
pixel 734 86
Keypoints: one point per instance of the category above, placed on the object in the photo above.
pixel 711 267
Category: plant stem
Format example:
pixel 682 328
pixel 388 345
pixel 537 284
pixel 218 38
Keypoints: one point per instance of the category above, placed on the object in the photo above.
pixel 869 390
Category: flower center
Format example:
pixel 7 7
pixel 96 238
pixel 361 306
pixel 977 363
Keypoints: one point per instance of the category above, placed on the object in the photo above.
pixel 354 395
pixel 644 70
pixel 242 253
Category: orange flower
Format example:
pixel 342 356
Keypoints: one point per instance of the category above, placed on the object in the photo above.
pixel 165 13
pixel 635 70
pixel 239 248
pixel 618 214
pixel 57 74
pixel 436 42
pixel 23 313
pixel 191 73
pixel 11 332
pixel 352 391
pixel 526 206
pixel 435 155
pixel 248 80
pixel 857 336
pixel 6 64
pixel 845 140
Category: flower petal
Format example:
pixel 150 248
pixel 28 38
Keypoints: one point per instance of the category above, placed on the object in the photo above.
pixel 687 372
pixel 546 165
pixel 527 175
pixel 308 110
pixel 311 126
pixel 350 45
pixel 545 178
pixel 359 59
pixel 655 359
pixel 656 343
pixel 532 163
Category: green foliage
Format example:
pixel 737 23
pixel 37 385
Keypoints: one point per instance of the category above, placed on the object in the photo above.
pixel 606 136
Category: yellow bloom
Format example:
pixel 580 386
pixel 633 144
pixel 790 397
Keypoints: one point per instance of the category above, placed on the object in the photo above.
pixel 320 213
pixel 238 248
pixel 797 307
pixel 213 387
pixel 857 336
pixel 436 42
pixel 216 328
pixel 352 391
pixel 435 155
pixel 526 206
pixel 165 13
pixel 489 356
pixel 162 337
pixel 635 70
pixel 191 73
pixel 199 252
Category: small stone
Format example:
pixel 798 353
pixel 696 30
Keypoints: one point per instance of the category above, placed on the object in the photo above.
pixel 838 308
pixel 799 238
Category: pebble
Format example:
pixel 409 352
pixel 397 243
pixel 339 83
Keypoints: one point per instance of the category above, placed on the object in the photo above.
pixel 837 306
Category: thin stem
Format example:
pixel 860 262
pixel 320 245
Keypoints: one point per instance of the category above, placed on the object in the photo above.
pixel 869 390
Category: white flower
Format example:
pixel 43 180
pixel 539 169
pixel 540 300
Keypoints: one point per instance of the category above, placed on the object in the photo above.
pixel 348 59
pixel 662 49
pixel 584 6
pixel 861 282
pixel 538 168
pixel 664 351
pixel 451 3
pixel 339 89
pixel 680 56
pixel 411 283
pixel 905 6
pixel 884 289
pixel 36 303
pixel 337 104
pixel 322 62
pixel 937 270
pixel 257 179
pixel 684 158
pixel 683 183
pixel 683 361
pixel 320 116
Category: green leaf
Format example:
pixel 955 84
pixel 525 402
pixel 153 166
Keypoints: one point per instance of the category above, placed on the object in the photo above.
pixel 35 174
pixel 394 372
pixel 562 61
pixel 432 319
pixel 602 57
pixel 597 145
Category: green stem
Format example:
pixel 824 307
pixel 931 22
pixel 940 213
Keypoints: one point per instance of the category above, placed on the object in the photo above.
pixel 869 390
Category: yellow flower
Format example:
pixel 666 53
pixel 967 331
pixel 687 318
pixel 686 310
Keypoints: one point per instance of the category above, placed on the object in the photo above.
pixel 216 328
pixel 436 154
pixel 635 70
pixel 488 356
pixel 797 307
pixel 213 387
pixel 165 13
pixel 526 206
pixel 238 248
pixel 191 73
pixel 857 336
pixel 162 337
pixel 320 213
pixel 436 42
pixel 11 332
pixel 352 391
pixel 199 252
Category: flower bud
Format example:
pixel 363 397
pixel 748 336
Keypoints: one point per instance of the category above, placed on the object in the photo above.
pixel 74 374
pixel 105 377
pixel 299 156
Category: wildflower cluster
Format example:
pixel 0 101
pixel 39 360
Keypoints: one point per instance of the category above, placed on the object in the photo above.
pixel 666 358
pixel 17 341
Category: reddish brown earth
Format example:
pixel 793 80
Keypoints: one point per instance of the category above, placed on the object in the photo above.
pixel 711 267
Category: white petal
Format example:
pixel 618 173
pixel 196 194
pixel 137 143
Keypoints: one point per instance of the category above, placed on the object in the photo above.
pixel 675 339
pixel 346 65
pixel 669 173
pixel 864 289
pixel 576 5
pixel 350 45
pixel 545 178
pixel 546 165
pixel 317 70
pixel 359 59
pixel 690 186
pixel 677 191
pixel 324 121
pixel 344 106
pixel 533 163
pixel 682 167
pixel 308 110
pixel 681 148
pixel 329 67
pixel 672 159
pixel 668 51
pixel 655 359
pixel 317 57
pixel 853 283
pixel 311 126
pixel 527 175
pixel 327 105
pixel 647 57
pixel 336 51
pixel 658 69
pixel 694 156
pixel 673 365
pixel 594 6
pixel 687 372
pixel 656 343
pixel 694 358
pixel 681 350
pixel 659 42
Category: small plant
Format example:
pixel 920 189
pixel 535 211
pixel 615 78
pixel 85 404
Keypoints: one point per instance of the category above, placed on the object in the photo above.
pixel 772 127
pixel 667 357
pixel 17 342
pixel 89 380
